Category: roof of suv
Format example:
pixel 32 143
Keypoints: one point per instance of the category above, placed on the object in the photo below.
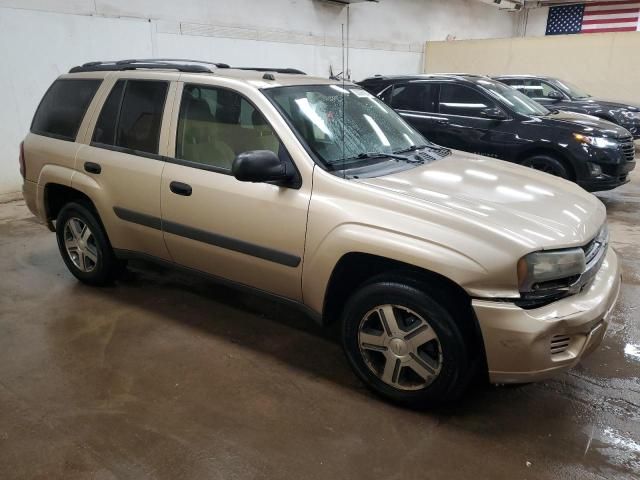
pixel 268 77
pixel 515 77
pixel 469 77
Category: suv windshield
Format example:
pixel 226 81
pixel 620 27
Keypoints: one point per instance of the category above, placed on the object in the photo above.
pixel 571 90
pixel 512 98
pixel 367 130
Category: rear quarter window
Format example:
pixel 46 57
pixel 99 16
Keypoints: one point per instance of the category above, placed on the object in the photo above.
pixel 63 107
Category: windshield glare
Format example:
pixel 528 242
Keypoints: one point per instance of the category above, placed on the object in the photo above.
pixel 571 90
pixel 513 98
pixel 367 126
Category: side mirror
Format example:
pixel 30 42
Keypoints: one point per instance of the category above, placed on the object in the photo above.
pixel 493 114
pixel 555 95
pixel 261 166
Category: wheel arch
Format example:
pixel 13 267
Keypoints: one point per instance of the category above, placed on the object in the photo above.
pixel 57 195
pixel 561 156
pixel 355 269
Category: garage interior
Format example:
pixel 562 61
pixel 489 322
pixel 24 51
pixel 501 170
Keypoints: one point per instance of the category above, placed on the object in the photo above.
pixel 166 375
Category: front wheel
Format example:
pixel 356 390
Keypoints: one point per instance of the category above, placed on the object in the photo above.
pixel 547 164
pixel 84 246
pixel 405 345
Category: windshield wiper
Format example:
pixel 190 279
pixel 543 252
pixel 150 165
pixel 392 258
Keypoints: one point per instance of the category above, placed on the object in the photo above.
pixel 367 155
pixel 411 148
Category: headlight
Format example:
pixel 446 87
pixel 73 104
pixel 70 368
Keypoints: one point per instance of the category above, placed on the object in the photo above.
pixel 599 142
pixel 629 115
pixel 543 274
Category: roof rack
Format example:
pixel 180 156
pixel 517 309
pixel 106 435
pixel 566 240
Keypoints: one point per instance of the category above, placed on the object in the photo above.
pixel 177 60
pixel 191 66
pixel 293 71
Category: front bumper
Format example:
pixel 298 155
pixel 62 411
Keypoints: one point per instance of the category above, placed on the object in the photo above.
pixel 616 165
pixel 530 345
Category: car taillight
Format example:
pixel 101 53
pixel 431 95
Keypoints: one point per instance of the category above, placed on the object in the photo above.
pixel 23 170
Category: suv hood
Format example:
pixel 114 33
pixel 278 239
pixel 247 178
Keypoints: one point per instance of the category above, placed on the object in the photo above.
pixel 599 104
pixel 534 209
pixel 587 124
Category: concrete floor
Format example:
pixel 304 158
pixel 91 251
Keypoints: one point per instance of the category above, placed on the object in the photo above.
pixel 166 376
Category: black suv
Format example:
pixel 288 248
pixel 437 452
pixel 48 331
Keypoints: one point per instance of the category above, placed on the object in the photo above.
pixel 480 115
pixel 555 93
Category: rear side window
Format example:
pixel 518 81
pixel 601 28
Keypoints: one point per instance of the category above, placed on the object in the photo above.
pixel 132 116
pixel 62 109
pixel 105 131
pixel 462 100
pixel 413 96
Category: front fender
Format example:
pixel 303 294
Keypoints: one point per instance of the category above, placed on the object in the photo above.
pixel 357 238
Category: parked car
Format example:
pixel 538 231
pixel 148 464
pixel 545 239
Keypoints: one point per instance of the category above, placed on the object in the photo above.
pixel 480 115
pixel 562 95
pixel 439 264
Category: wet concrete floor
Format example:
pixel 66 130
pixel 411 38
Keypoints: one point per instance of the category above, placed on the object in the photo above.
pixel 172 377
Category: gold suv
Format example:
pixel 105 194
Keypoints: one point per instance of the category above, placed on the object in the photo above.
pixel 439 264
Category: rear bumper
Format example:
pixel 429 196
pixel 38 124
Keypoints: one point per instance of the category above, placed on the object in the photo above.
pixel 530 345
pixel 30 194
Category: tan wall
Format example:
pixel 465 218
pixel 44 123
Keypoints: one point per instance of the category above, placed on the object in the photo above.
pixel 606 65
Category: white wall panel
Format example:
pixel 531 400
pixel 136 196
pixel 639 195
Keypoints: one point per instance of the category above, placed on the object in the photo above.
pixel 36 47
pixel 39 39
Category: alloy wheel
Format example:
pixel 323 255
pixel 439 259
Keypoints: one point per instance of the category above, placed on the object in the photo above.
pixel 400 347
pixel 80 245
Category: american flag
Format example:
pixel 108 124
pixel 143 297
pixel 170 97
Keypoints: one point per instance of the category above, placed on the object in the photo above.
pixel 595 17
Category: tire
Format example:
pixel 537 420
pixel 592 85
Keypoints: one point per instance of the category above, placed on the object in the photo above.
pixel 547 164
pixel 84 245
pixel 409 383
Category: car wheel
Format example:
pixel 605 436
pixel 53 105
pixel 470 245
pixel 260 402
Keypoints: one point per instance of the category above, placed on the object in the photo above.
pixel 404 344
pixel 547 164
pixel 84 246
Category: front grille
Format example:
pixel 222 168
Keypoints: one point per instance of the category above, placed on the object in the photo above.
pixel 628 149
pixel 591 250
pixel 596 247
pixel 560 344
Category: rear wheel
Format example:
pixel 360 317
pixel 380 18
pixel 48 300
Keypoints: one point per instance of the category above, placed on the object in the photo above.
pixel 404 344
pixel 547 164
pixel 84 246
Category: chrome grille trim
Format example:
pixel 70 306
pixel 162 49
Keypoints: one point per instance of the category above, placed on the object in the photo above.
pixel 595 252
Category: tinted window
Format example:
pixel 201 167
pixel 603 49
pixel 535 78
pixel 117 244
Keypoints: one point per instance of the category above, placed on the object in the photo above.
pixel 63 107
pixel 105 131
pixel 512 98
pixel 533 88
pixel 461 100
pixel 216 124
pixel 413 96
pixel 141 115
pixel 571 90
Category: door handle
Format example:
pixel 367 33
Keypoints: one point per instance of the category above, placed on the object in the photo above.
pixel 442 122
pixel 92 167
pixel 180 188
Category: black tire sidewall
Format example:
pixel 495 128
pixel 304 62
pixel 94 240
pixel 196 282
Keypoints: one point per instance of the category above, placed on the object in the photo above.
pixel 453 376
pixel 558 167
pixel 103 273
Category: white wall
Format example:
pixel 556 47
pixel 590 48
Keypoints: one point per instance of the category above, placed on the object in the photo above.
pixel 40 39
pixel 537 22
